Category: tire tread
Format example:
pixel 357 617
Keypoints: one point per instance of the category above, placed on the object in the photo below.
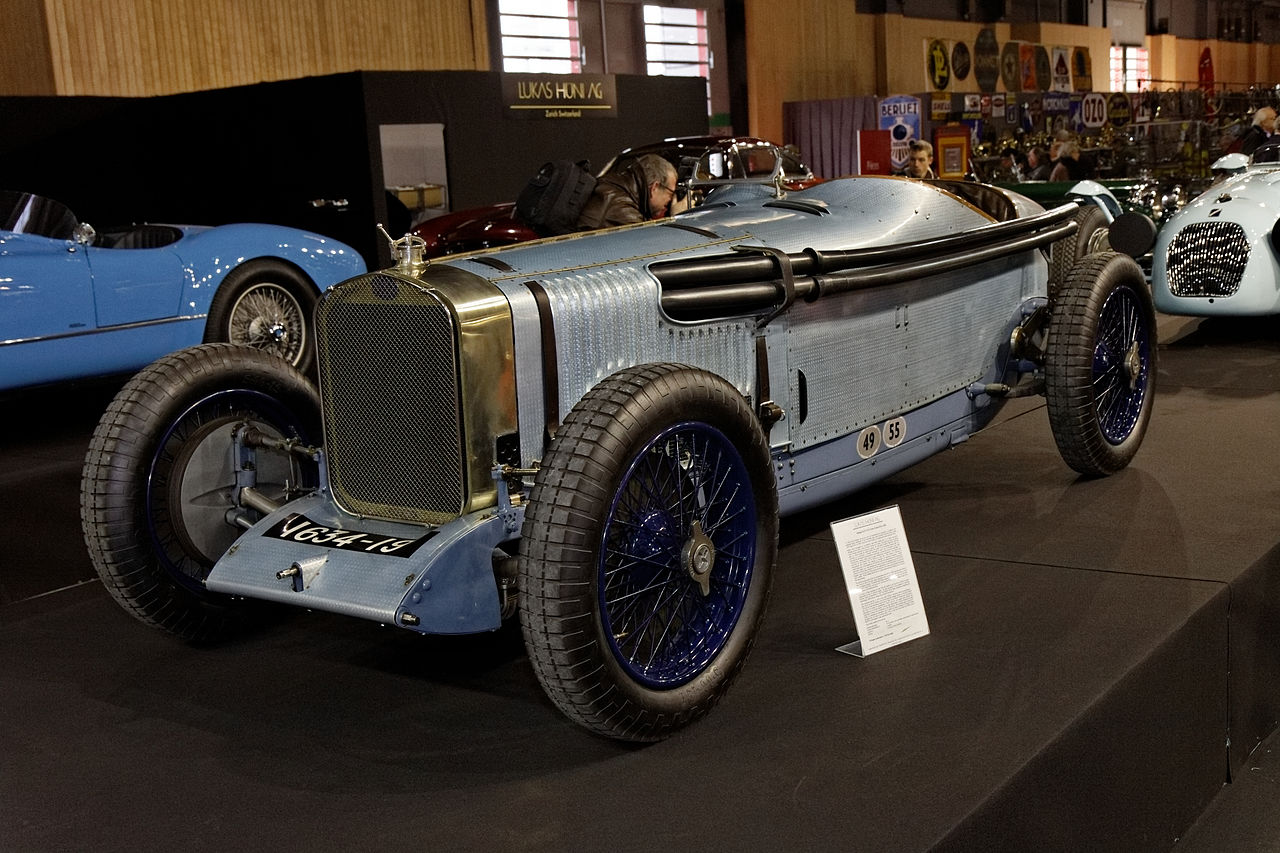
pixel 112 498
pixel 1069 365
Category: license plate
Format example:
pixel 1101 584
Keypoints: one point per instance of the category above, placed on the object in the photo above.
pixel 299 528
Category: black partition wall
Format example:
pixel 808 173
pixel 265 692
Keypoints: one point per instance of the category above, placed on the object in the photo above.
pixel 265 152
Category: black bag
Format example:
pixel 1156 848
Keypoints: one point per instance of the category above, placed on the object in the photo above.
pixel 553 199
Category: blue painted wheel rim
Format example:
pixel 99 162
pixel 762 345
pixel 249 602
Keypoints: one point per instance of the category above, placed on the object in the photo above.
pixel 239 403
pixel 1121 364
pixel 688 487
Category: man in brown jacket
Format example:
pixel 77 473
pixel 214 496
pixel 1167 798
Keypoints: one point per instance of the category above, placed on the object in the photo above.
pixel 642 190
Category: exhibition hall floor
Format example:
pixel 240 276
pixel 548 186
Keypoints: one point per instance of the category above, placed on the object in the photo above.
pixel 1104 657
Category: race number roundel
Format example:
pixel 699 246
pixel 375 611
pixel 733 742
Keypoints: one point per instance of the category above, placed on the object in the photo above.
pixel 1093 109
pixel 894 432
pixel 869 441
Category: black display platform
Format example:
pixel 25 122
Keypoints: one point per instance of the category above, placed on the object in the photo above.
pixel 1103 657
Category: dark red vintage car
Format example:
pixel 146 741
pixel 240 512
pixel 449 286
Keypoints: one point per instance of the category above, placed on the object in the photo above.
pixel 701 162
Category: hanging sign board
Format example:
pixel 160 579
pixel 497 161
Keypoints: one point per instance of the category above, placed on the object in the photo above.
pixel 986 60
pixel 1119 109
pixel 1043 69
pixel 1081 70
pixel 900 115
pixel 1027 67
pixel 1010 66
pixel 1061 70
pixel 960 61
pixel 937 64
pixel 1093 110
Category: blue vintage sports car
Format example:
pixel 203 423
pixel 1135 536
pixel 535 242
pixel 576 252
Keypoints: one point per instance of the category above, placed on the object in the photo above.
pixel 75 302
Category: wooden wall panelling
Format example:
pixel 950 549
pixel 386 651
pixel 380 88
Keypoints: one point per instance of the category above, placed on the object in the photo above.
pixel 151 47
pixel 802 51
pixel 25 65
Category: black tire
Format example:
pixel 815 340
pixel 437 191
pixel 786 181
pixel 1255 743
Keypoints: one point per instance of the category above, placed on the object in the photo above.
pixel 266 304
pixel 648 550
pixel 1100 364
pixel 1090 237
pixel 156 485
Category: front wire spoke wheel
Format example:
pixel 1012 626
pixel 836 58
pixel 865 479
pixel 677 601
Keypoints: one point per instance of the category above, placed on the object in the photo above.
pixel 647 552
pixel 1121 365
pixel 683 499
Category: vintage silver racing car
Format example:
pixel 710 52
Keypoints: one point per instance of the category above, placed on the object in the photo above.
pixel 599 433
pixel 1220 255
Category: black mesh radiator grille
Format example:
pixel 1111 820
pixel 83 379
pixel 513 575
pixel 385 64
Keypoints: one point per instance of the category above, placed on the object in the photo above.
pixel 389 382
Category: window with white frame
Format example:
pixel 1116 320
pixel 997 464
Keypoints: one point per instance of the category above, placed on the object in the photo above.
pixel 1130 68
pixel 540 36
pixel 676 41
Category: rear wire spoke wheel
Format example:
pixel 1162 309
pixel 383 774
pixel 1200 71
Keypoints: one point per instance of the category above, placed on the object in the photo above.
pixel 263 317
pixel 265 304
pixel 647 551
pixel 1100 364
pixel 157 486
pixel 1091 236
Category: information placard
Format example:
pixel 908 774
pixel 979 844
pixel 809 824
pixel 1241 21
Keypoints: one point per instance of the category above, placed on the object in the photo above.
pixel 880 578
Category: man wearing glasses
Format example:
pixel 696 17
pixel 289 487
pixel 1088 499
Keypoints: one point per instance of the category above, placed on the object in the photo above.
pixel 643 189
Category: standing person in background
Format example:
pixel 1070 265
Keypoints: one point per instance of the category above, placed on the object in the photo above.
pixel 1262 129
pixel 919 160
pixel 1038 165
pixel 1055 147
pixel 1069 167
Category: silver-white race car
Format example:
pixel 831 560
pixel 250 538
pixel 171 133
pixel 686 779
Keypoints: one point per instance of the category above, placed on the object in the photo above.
pixel 1220 254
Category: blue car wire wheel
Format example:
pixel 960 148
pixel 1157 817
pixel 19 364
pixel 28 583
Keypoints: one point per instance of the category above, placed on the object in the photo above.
pixel 648 549
pixel 1121 364
pixel 1100 364
pixel 676 555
